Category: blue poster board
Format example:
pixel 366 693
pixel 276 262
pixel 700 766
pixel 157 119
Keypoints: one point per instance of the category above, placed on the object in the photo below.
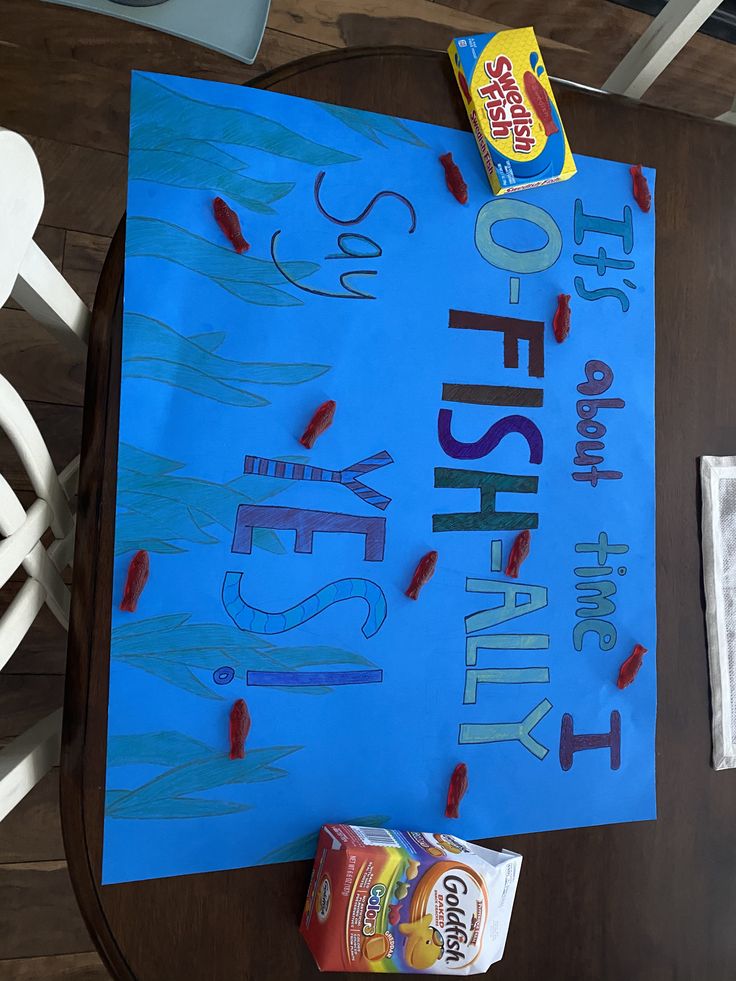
pixel 277 578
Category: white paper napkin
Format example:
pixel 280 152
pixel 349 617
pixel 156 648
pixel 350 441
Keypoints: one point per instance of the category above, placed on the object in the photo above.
pixel 718 479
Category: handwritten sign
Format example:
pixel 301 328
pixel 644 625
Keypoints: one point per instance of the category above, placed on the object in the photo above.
pixel 278 574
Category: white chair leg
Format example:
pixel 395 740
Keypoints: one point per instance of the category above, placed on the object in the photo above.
pixel 61 551
pixel 18 618
pixel 27 759
pixel 21 540
pixel 69 478
pixel 668 33
pixel 45 294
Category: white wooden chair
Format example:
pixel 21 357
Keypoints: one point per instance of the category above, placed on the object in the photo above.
pixel 665 37
pixel 28 275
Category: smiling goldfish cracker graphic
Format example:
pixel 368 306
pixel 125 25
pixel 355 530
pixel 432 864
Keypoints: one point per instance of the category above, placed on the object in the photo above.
pixel 454 913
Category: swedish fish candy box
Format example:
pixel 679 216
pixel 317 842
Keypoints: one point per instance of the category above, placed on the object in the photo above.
pixel 512 109
pixel 407 902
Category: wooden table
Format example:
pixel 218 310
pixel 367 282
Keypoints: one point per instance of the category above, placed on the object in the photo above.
pixel 645 901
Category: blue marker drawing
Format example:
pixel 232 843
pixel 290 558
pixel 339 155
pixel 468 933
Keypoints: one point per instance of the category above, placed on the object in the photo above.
pixel 248 617
pixel 264 467
pixel 306 679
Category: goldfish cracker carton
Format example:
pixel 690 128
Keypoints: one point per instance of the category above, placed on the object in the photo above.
pixel 407 901
pixel 512 110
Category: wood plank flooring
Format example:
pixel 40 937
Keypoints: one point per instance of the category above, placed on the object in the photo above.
pixel 64 79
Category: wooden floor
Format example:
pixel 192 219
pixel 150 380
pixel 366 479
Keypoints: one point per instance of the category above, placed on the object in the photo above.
pixel 64 83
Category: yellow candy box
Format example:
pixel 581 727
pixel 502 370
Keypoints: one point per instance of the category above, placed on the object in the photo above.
pixel 512 109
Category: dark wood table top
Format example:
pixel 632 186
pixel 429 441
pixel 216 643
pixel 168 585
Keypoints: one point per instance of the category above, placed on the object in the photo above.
pixel 647 901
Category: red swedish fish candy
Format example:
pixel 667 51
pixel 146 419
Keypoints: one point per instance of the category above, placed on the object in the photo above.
pixel 454 179
pixel 561 319
pixel 519 551
pixel 422 574
pixel 456 791
pixel 320 421
pixel 229 222
pixel 239 729
pixel 136 579
pixel 640 188
pixel 630 668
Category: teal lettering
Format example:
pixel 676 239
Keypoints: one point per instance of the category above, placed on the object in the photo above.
pixel 601 294
pixel 502 732
pixel 623 229
pixel 489 485
pixel 503 642
pixel 501 676
pixel 604 630
pixel 533 261
pixel 598 600
pixel 602 261
pixel 601 548
pixel 510 608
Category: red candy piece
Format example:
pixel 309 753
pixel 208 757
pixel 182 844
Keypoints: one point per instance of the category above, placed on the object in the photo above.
pixel 457 790
pixel 537 95
pixel 561 319
pixel 229 222
pixel 640 187
pixel 422 574
pixel 519 551
pixel 136 579
pixel 454 179
pixel 239 729
pixel 630 668
pixel 321 420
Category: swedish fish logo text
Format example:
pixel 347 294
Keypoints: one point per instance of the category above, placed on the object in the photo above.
pixel 504 105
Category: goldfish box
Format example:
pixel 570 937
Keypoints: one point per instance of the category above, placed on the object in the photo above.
pixel 512 109
pixel 407 901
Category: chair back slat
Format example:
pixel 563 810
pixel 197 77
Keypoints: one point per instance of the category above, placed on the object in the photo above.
pixel 20 543
pixel 18 618
pixel 20 427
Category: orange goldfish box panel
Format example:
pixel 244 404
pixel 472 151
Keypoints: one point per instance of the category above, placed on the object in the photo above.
pixel 407 901
pixel 512 109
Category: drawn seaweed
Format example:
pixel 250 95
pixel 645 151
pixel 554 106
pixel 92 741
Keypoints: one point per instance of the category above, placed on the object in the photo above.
pixel 172 649
pixel 155 103
pixel 189 171
pixel 153 137
pixel 155 351
pixel 244 276
pixel 306 846
pixel 193 767
pixel 160 510
pixel 370 124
